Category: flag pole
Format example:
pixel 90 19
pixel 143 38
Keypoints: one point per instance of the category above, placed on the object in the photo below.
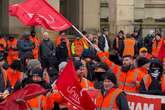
pixel 74 27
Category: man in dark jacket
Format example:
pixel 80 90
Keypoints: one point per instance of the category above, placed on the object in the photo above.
pixel 104 43
pixel 25 46
pixel 148 41
pixel 118 43
pixel 153 82
pixel 47 52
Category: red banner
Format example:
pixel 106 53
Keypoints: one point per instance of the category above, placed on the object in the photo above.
pixel 17 101
pixel 143 103
pixel 39 12
pixel 72 91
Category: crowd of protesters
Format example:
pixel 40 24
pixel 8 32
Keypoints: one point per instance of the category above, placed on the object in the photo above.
pixel 128 63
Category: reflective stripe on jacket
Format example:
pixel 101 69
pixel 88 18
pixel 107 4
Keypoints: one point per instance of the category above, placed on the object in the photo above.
pixel 109 101
pixel 37 103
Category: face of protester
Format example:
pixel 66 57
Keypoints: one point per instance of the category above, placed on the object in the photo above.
pixel 120 35
pixel 127 61
pixel 45 36
pixel 84 68
pixel 108 84
pixel 106 33
pixel 80 72
pixel 143 54
pixel 36 78
pixel 157 37
pixel 99 69
pixel 63 34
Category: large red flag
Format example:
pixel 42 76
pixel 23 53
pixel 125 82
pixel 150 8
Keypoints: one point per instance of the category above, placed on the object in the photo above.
pixel 39 12
pixel 17 101
pixel 72 91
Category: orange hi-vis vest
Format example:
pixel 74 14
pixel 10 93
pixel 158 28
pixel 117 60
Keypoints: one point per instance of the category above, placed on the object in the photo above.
pixel 3 42
pixel 129 81
pixel 85 43
pixel 156 48
pixel 109 101
pixel 37 103
pixel 77 47
pixel 58 42
pixel 129 45
pixel 37 42
pixel 147 81
pixel 14 76
pixel 85 83
pixel 12 54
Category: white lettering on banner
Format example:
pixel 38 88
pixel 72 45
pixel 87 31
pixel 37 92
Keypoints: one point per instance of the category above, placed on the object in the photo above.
pixel 148 106
pixel 131 105
pixel 140 106
pixel 73 94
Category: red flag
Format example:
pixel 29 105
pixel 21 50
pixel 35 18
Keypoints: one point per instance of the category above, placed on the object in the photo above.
pixel 72 91
pixel 17 101
pixel 39 12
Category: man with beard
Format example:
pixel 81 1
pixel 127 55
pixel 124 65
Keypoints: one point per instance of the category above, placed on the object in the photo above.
pixel 128 77
pixel 154 81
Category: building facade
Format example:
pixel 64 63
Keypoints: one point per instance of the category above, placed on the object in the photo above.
pixel 94 15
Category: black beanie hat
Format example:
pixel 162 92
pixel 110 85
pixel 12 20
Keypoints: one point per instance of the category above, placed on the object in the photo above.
pixel 77 64
pixel 102 65
pixel 110 75
pixel 142 61
pixel 155 63
pixel 16 65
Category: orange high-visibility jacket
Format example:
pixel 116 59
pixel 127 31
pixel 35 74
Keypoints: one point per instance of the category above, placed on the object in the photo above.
pixel 156 47
pixel 129 81
pixel 77 47
pixel 13 76
pixel 36 42
pixel 147 81
pixel 3 43
pixel 129 45
pixel 85 83
pixel 38 103
pixel 85 43
pixel 13 53
pixel 58 42
pixel 109 101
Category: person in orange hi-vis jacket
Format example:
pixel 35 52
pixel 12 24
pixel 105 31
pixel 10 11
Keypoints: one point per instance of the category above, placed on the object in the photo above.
pixel 13 53
pixel 128 77
pixel 111 97
pixel 158 42
pixel 36 42
pixel 39 102
pixel 14 74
